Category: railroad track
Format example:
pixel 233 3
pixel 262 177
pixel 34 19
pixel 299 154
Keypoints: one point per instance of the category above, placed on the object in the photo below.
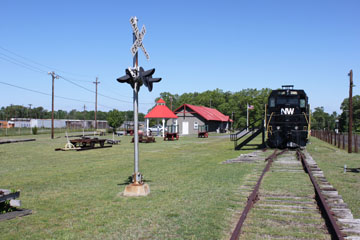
pixel 291 199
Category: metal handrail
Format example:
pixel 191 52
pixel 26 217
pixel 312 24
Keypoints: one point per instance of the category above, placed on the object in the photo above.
pixel 234 136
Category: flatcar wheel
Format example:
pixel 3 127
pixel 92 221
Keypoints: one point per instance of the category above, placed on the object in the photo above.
pixel 101 144
pixel 83 144
pixel 92 144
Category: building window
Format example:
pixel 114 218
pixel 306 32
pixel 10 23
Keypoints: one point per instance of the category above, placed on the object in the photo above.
pixel 196 125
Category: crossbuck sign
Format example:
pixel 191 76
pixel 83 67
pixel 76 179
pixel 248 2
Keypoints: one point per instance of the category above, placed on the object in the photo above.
pixel 139 37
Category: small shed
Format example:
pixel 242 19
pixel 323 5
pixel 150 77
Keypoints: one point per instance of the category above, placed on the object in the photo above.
pixel 191 117
pixel 160 111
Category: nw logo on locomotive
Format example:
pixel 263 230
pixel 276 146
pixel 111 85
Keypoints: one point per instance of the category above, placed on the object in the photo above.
pixel 287 118
pixel 287 111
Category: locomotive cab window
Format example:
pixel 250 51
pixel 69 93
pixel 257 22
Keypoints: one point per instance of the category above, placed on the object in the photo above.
pixel 291 101
pixel 272 102
pixel 302 103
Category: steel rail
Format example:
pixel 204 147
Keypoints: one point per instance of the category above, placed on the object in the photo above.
pixel 333 227
pixel 254 195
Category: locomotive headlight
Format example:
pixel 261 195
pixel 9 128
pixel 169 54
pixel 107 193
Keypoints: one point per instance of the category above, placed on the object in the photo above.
pixel 278 127
pixel 296 127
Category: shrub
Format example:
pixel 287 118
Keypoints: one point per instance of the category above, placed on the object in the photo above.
pixel 34 130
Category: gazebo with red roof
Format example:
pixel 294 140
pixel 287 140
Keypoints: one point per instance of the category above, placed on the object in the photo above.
pixel 160 111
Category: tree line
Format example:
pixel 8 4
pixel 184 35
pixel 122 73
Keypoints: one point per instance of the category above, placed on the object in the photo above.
pixel 232 104
pixel 325 121
pixel 19 111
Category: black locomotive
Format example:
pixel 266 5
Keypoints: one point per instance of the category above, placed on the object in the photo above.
pixel 287 118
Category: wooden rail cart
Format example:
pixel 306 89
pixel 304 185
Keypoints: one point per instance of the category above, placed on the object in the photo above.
pixel 203 131
pixel 145 139
pixel 129 129
pixel 87 142
pixel 7 195
pixel 172 133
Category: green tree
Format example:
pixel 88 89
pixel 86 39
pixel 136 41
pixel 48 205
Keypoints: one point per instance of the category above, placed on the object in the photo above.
pixel 344 116
pixel 322 120
pixel 115 118
pixel 230 104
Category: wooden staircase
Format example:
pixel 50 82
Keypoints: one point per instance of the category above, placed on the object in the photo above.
pixel 247 134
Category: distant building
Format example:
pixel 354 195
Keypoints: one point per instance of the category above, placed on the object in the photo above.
pixel 6 124
pixel 190 117
pixel 58 123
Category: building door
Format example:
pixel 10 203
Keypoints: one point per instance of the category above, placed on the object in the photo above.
pixel 185 128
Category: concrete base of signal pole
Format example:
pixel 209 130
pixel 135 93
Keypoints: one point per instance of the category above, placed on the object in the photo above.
pixel 136 189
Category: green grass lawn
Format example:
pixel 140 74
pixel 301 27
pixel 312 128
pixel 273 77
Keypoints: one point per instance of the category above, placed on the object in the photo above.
pixel 73 195
pixel 332 160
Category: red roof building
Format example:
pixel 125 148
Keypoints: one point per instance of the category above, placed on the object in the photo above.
pixel 160 111
pixel 191 117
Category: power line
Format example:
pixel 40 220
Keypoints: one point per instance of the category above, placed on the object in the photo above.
pixel 40 64
pixel 39 70
pixel 47 94
pixel 20 65
pixel 57 96
pixel 112 98
pixel 23 63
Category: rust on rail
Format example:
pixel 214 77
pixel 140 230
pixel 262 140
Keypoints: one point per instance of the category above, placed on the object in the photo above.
pixel 254 195
pixel 331 222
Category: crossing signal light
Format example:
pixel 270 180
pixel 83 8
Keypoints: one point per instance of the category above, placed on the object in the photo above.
pixel 147 79
pixel 129 78
pixel 140 77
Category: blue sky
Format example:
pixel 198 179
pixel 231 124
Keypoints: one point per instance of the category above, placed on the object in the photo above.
pixel 194 46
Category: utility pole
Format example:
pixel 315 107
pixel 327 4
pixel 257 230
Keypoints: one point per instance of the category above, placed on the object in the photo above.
pixel 84 121
pixel 29 116
pixel 96 87
pixel 53 76
pixel 29 113
pixel 171 99
pixel 350 112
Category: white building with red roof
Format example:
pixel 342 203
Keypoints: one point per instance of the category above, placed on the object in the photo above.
pixel 160 112
pixel 190 117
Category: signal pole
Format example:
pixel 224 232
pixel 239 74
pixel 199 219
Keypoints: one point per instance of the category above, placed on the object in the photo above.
pixel 53 76
pixel 96 87
pixel 136 77
pixel 350 112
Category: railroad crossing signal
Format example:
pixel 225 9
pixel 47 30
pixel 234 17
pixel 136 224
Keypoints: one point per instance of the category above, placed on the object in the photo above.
pixel 139 37
pixel 147 79
pixel 140 76
pixel 136 77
